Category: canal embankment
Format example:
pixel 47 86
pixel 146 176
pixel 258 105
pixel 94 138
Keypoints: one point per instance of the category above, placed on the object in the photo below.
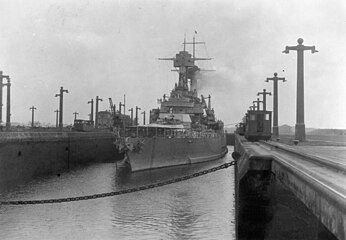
pixel 25 155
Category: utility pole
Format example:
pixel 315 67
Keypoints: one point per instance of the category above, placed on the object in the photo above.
pixel 264 93
pixel 75 115
pixel 56 118
pixel 97 111
pixel 137 108
pixel 91 118
pixel 258 103
pixel 275 80
pixel 131 110
pixel 143 117
pixel 300 48
pixel 32 115
pixel 251 108
pixel 61 95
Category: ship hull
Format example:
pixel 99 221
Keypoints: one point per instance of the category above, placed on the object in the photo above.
pixel 162 152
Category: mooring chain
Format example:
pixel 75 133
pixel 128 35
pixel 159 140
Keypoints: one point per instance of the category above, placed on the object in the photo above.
pixel 109 194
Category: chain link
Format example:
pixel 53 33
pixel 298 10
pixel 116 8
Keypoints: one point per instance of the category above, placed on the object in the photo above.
pixel 109 194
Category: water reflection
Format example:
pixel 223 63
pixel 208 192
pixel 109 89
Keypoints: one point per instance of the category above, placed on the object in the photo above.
pixel 200 208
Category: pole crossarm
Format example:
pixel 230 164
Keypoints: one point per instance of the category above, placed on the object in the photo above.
pixel 276 78
pixel 6 77
pixel 257 101
pixel 299 47
pixel 264 93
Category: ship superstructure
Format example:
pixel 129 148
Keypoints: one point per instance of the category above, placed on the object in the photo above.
pixel 183 130
pixel 183 104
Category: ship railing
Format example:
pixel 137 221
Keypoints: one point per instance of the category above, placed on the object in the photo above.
pixel 141 132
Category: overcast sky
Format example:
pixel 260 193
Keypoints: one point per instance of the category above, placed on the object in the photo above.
pixel 110 48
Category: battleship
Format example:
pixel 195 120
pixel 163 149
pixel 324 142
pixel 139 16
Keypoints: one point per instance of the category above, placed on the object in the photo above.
pixel 182 131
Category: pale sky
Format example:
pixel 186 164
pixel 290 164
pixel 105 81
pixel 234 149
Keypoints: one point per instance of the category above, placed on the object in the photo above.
pixel 111 48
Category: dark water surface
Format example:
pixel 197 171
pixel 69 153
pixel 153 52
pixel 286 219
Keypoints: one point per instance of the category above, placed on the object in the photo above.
pixel 199 208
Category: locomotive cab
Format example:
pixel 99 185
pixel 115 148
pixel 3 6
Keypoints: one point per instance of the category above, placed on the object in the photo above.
pixel 258 125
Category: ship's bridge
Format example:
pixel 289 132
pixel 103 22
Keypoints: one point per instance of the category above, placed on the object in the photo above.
pixel 185 119
pixel 181 107
pixel 183 59
pixel 178 102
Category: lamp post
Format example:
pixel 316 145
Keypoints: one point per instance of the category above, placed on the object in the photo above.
pixel 8 104
pixel 275 80
pixel 264 93
pixel 97 111
pixel 137 108
pixel 75 115
pixel 1 86
pixel 91 116
pixel 56 118
pixel 61 96
pixel 120 105
pixel 253 106
pixel 143 117
pixel 32 115
pixel 131 110
pixel 300 48
pixel 258 103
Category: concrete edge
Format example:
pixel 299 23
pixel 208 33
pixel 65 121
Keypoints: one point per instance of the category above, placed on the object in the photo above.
pixel 323 161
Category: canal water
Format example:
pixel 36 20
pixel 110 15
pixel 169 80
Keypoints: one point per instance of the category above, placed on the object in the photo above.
pixel 199 208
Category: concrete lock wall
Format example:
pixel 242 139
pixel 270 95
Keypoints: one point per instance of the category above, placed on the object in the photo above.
pixel 27 155
pixel 308 209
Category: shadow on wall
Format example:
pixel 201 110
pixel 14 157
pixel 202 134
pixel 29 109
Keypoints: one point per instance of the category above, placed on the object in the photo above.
pixel 269 211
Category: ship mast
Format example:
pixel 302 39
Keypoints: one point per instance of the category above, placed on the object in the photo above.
pixel 186 65
pixel 184 42
pixel 194 49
